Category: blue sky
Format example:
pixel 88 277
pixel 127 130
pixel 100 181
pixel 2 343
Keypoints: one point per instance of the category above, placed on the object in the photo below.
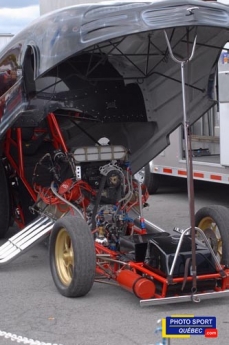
pixel 16 14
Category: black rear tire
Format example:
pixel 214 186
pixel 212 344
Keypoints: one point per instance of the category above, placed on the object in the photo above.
pixel 150 180
pixel 214 221
pixel 72 256
pixel 5 216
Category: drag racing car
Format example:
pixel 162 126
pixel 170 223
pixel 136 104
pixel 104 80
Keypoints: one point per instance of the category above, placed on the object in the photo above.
pixel 89 95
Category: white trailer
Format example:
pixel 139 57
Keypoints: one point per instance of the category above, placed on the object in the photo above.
pixel 209 141
pixel 4 39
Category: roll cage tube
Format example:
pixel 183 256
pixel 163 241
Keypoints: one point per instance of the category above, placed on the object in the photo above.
pixel 15 142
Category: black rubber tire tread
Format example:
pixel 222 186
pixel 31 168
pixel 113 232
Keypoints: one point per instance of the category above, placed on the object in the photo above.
pixel 220 215
pixel 151 181
pixel 84 256
pixel 4 202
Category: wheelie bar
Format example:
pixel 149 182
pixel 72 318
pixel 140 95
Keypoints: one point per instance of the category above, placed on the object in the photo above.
pixel 186 298
pixel 32 234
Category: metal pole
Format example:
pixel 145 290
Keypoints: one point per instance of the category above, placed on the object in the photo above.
pixel 188 153
pixel 190 182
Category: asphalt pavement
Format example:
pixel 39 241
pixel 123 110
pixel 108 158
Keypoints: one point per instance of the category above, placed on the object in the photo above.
pixel 33 312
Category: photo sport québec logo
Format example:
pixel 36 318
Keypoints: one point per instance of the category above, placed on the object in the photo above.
pixel 184 326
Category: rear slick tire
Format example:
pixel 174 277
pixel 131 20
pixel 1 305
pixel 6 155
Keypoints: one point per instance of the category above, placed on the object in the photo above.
pixel 214 221
pixel 150 180
pixel 72 256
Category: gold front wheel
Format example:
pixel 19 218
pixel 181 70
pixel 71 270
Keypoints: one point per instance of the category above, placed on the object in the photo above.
pixel 72 256
pixel 64 257
pixel 214 221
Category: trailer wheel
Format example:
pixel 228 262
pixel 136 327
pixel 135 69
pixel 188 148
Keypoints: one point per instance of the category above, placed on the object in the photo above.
pixel 72 256
pixel 4 202
pixel 151 181
pixel 214 221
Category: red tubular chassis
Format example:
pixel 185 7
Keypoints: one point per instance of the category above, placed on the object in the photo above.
pixel 121 246
pixel 84 105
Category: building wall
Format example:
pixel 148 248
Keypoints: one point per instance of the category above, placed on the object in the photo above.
pixel 4 39
pixel 51 5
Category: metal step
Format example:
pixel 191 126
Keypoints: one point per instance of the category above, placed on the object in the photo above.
pixel 32 234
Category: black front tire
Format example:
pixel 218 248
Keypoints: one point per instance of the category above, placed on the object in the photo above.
pixel 214 221
pixel 5 216
pixel 72 256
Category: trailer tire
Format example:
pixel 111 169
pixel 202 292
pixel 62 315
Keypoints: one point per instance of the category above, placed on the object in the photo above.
pixel 72 256
pixel 5 216
pixel 150 180
pixel 214 221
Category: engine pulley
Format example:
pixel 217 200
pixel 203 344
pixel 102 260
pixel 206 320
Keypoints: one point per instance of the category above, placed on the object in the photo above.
pixel 113 179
